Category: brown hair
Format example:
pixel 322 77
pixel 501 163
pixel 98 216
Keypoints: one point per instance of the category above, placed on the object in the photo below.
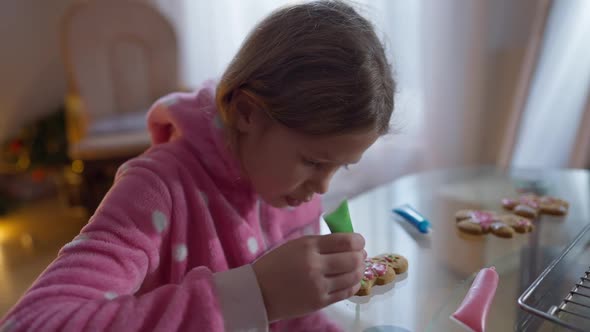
pixel 316 67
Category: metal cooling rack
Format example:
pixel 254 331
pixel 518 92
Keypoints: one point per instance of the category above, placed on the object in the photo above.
pixel 561 294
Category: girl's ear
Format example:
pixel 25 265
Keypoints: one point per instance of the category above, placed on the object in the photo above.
pixel 249 117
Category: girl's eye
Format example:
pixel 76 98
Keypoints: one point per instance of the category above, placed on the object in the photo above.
pixel 311 163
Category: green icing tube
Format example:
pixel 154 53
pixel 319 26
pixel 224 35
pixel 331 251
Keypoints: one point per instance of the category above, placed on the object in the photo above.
pixel 339 220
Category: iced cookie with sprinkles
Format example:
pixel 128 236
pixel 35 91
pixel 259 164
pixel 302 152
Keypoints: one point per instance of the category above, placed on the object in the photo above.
pixel 526 205
pixel 398 262
pixel 518 223
pixel 530 205
pixel 553 205
pixel 378 273
pixel 381 270
pixel 482 222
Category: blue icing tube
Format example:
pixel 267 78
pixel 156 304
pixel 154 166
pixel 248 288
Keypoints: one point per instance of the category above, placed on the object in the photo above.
pixel 413 217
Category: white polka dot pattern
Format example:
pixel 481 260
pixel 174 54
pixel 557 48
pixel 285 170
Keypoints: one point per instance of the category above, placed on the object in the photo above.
pixel 110 295
pixel 160 221
pixel 253 245
pixel 8 326
pixel 77 240
pixel 205 198
pixel 180 252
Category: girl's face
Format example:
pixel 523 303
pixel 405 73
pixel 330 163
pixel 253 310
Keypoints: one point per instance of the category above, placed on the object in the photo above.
pixel 287 168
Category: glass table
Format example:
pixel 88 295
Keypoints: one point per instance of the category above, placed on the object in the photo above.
pixel 444 263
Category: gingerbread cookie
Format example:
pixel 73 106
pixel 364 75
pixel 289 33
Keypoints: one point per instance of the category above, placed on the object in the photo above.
pixel 398 262
pixel 483 222
pixel 554 206
pixel 526 206
pixel 518 223
pixel 530 205
pixel 381 270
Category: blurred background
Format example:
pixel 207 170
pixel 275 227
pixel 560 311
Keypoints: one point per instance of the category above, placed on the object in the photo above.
pixel 496 82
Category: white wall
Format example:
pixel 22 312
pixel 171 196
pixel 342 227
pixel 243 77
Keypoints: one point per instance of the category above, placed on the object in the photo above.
pixel 32 80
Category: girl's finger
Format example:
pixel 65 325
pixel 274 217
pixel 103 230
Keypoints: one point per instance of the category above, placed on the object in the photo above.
pixel 343 281
pixel 344 262
pixel 340 242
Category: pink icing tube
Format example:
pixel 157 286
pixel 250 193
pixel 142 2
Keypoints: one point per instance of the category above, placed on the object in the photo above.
pixel 473 311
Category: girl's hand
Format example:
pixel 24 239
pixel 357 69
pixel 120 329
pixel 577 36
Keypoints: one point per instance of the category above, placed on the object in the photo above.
pixel 309 273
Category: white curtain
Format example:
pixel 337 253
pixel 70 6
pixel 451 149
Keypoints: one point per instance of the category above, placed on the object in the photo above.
pixel 558 96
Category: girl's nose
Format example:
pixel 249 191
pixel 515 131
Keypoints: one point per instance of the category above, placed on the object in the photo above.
pixel 321 183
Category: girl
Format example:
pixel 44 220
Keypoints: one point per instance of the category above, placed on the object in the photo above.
pixel 212 228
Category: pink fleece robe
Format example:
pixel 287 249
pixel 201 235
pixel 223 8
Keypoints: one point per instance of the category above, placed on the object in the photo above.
pixel 170 247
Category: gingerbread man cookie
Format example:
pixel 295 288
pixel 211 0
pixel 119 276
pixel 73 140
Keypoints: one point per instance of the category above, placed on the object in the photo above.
pixel 483 222
pixel 553 205
pixel 398 262
pixel 530 205
pixel 381 270
pixel 518 223
pixel 526 206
